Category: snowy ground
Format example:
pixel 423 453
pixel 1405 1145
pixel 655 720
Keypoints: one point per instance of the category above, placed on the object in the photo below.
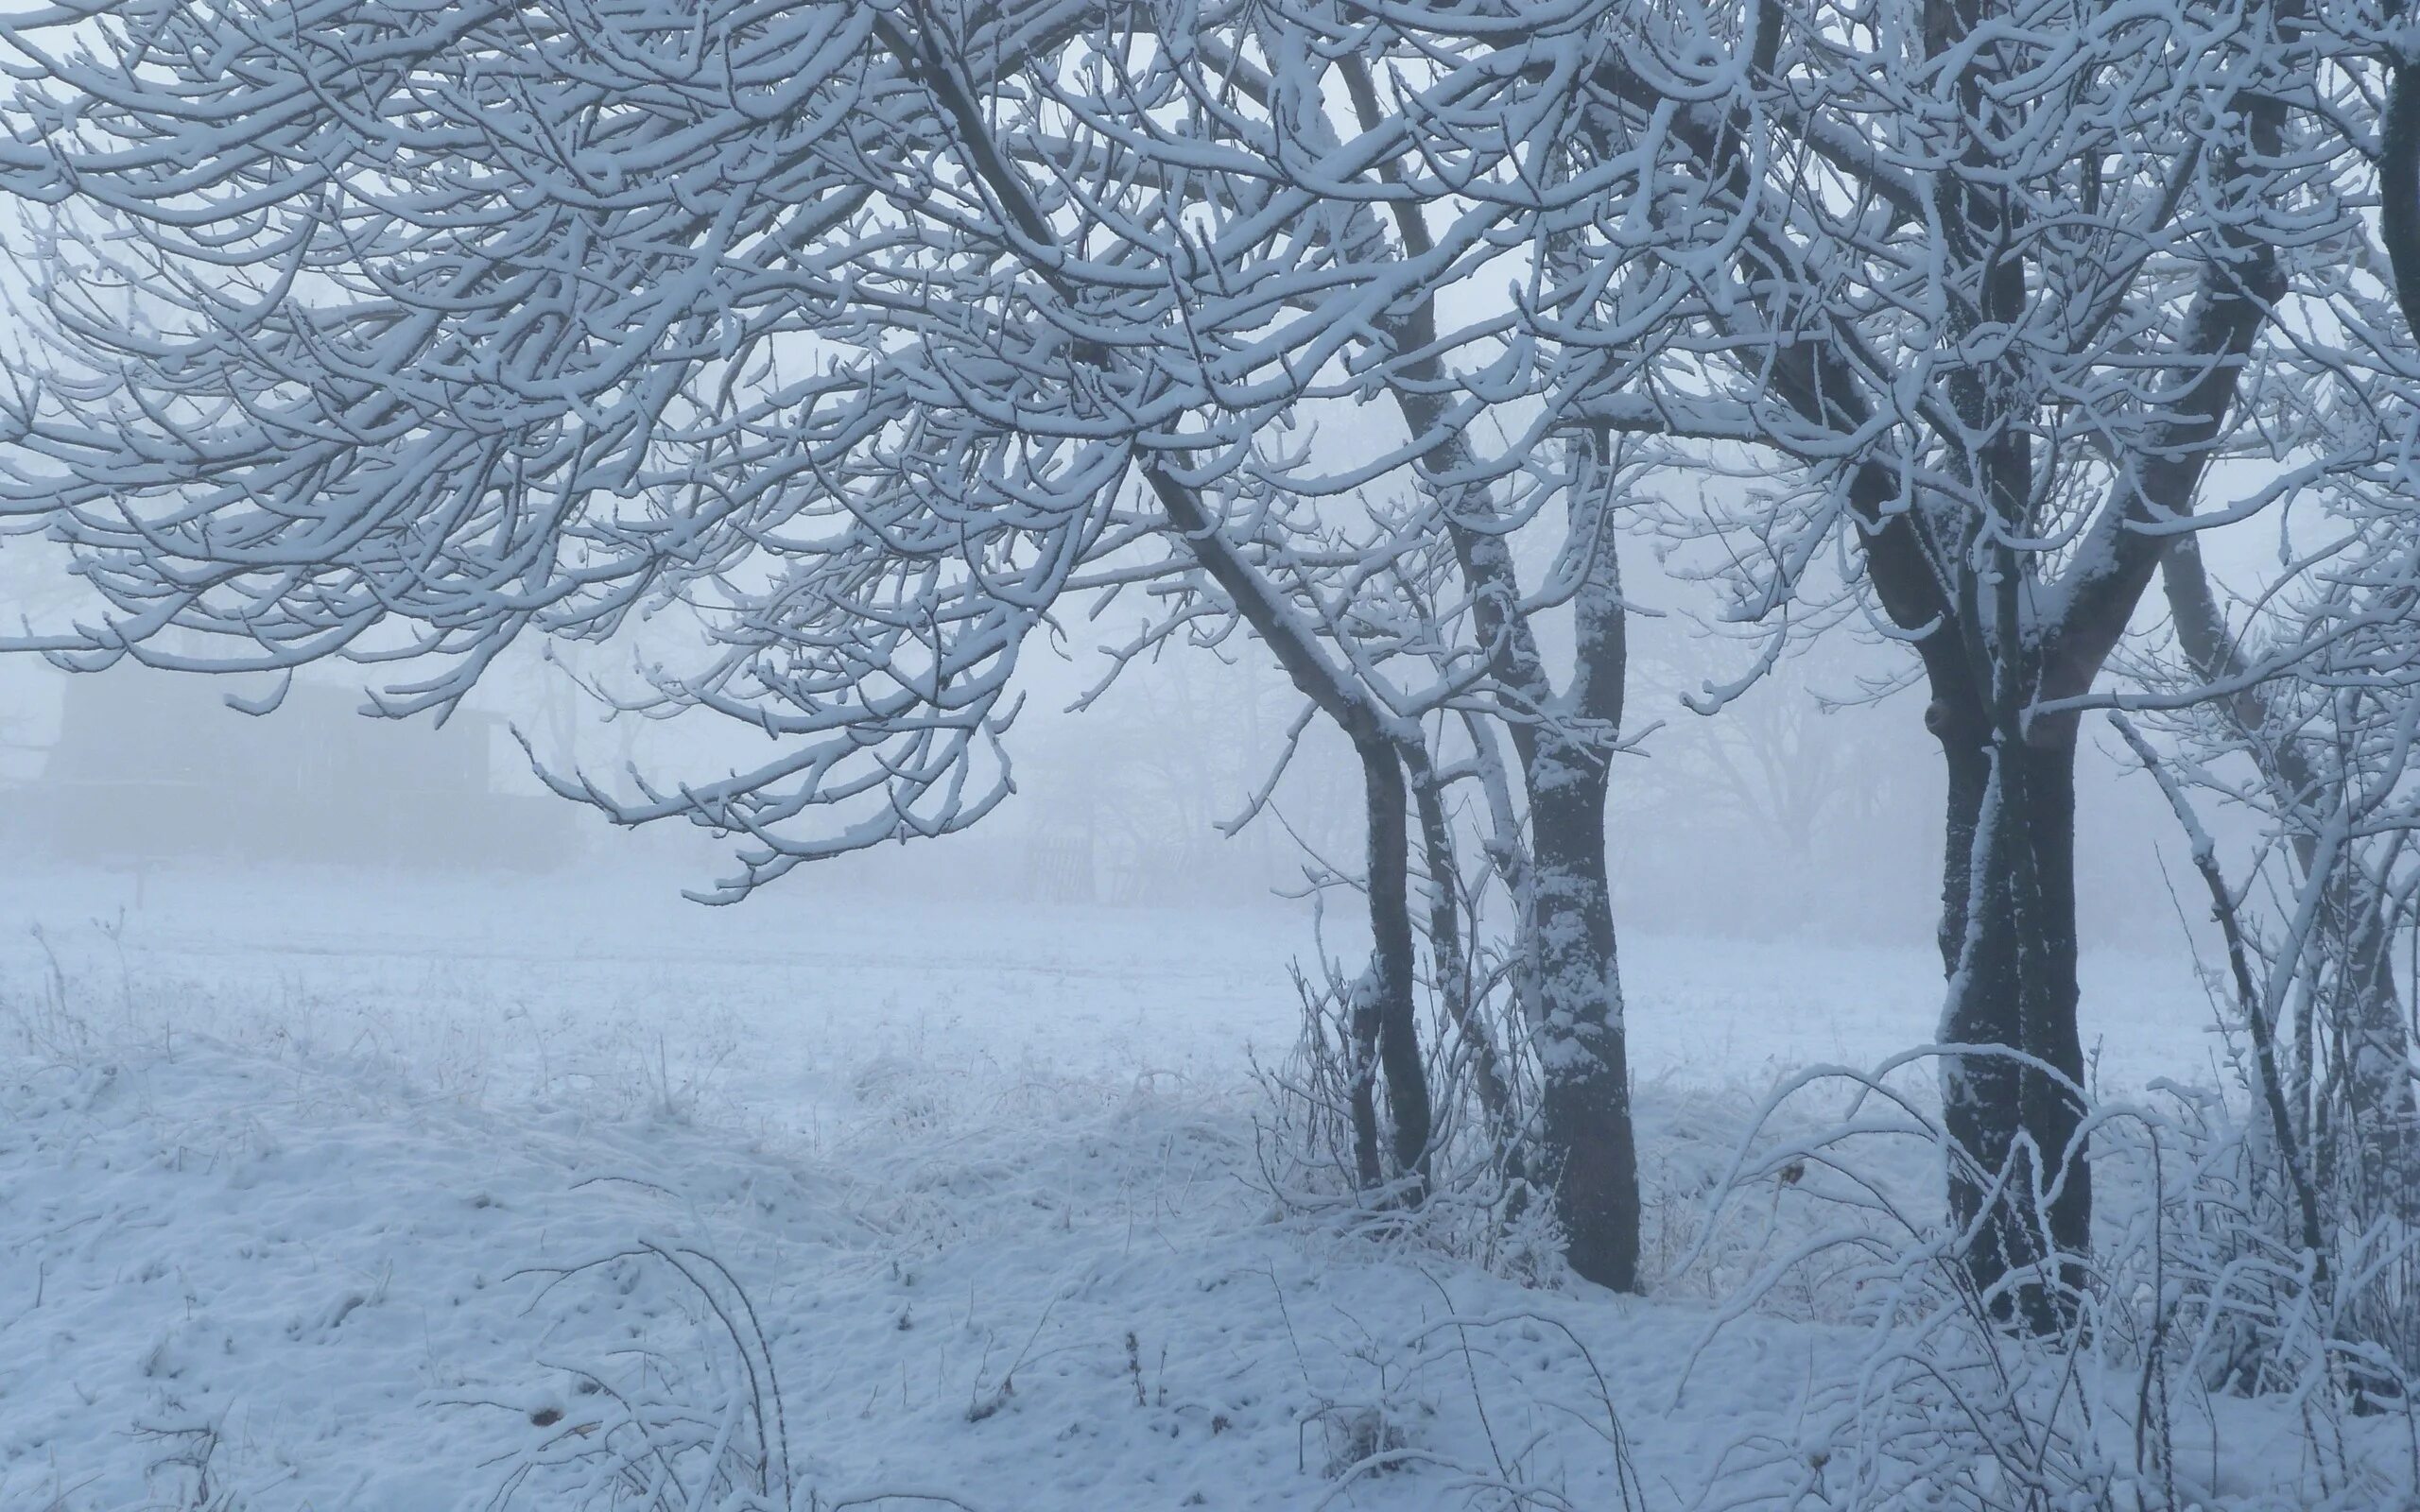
pixel 284 1169
pixel 527 986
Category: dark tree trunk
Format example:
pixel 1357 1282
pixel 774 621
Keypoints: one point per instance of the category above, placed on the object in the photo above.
pixel 1584 1098
pixel 1361 1087
pixel 1387 989
pixel 2018 1181
pixel 1383 1028
pixel 1584 1134
pixel 1451 973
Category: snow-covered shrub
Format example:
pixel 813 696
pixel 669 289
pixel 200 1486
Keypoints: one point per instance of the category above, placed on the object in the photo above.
pixel 1476 1198
pixel 1468 1368
pixel 2206 1358
pixel 1692 1140
pixel 656 1428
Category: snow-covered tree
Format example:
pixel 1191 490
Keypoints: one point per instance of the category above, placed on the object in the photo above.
pixel 828 354
pixel 826 357
pixel 2290 694
pixel 2001 297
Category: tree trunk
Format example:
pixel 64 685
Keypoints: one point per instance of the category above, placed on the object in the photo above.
pixel 1450 970
pixel 2374 1042
pixel 2354 987
pixel 1387 987
pixel 1584 1098
pixel 1584 1133
pixel 1361 1081
pixel 1383 1028
pixel 2018 1181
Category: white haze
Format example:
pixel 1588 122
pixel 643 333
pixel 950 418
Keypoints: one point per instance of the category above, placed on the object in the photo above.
pixel 1808 809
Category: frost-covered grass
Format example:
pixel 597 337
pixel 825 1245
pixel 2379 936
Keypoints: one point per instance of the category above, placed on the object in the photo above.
pixel 333 1195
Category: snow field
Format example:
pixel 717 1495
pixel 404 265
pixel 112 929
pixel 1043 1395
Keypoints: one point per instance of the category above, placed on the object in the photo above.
pixel 290 1217
pixel 288 1284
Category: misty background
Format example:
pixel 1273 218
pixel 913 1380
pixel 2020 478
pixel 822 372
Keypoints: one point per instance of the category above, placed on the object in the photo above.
pixel 1808 809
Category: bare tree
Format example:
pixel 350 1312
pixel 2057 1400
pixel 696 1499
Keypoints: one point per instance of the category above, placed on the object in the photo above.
pixel 823 356
pixel 2294 702
pixel 2008 275
pixel 826 355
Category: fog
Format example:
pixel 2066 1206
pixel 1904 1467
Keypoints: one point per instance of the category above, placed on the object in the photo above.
pixel 1809 808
